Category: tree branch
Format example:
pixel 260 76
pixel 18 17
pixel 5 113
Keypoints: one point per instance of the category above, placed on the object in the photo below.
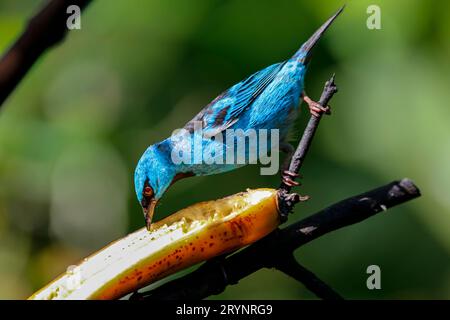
pixel 286 201
pixel 329 90
pixel 292 268
pixel 213 276
pixel 45 29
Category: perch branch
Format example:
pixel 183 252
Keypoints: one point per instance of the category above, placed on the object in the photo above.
pixel 329 90
pixel 44 30
pixel 292 268
pixel 213 276
pixel 286 202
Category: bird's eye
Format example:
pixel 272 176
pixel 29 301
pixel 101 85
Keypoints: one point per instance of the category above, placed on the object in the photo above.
pixel 148 191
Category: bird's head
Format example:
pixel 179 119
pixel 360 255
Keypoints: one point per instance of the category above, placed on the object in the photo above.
pixel 153 175
pixel 304 54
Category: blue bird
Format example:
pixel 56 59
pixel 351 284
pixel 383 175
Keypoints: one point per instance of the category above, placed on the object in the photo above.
pixel 268 99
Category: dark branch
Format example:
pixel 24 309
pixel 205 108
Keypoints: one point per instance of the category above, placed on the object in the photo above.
pixel 286 201
pixel 292 268
pixel 299 156
pixel 213 276
pixel 349 211
pixel 44 30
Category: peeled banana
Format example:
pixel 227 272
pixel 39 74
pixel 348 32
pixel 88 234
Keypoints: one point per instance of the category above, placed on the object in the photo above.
pixel 194 234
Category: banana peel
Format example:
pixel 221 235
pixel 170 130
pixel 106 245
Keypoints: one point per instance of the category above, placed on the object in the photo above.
pixel 194 234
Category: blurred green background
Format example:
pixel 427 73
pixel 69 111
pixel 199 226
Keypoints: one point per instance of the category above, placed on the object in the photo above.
pixel 72 132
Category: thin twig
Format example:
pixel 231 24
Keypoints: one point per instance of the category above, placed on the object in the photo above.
pixel 45 29
pixel 329 90
pixel 286 201
pixel 213 276
pixel 292 268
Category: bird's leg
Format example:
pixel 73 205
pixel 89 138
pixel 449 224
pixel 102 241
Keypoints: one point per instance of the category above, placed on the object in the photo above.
pixel 287 175
pixel 315 108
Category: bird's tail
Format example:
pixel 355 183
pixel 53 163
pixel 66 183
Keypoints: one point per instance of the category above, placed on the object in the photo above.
pixel 303 55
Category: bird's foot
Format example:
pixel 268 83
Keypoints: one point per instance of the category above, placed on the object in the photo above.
pixel 287 201
pixel 295 197
pixel 315 108
pixel 287 178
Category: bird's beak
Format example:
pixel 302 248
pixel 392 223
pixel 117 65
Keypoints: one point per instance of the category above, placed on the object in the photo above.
pixel 309 45
pixel 149 209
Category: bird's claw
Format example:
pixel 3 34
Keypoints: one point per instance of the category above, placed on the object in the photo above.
pixel 295 197
pixel 287 178
pixel 287 202
pixel 289 182
pixel 315 108
pixel 303 198
pixel 292 174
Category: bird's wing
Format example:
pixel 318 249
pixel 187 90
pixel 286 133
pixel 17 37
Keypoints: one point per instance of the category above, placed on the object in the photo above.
pixel 228 107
